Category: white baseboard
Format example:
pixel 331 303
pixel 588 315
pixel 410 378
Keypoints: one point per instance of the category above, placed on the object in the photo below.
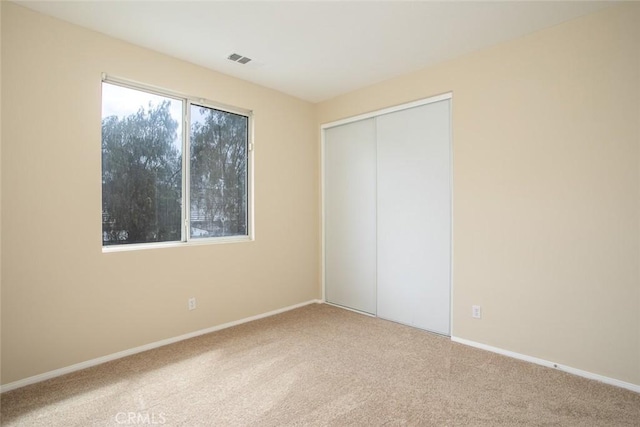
pixel 548 364
pixel 93 362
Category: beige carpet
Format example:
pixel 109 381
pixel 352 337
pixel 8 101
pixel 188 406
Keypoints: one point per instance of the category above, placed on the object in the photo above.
pixel 320 365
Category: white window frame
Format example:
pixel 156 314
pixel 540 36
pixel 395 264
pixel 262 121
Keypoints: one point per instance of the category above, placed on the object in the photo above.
pixel 187 101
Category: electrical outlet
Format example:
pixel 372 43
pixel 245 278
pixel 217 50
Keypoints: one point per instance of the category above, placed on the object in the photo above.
pixel 476 312
pixel 191 303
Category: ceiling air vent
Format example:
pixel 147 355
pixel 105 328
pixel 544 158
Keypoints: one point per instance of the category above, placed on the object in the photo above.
pixel 239 58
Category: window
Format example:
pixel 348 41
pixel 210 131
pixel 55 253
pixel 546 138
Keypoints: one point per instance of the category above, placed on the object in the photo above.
pixel 157 173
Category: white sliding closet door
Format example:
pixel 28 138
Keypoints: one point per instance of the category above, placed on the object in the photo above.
pixel 350 215
pixel 414 216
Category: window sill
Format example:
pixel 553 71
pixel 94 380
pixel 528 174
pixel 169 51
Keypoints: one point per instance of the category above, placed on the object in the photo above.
pixel 197 242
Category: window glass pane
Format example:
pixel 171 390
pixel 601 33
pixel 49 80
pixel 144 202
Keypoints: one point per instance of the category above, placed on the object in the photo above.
pixel 141 166
pixel 218 176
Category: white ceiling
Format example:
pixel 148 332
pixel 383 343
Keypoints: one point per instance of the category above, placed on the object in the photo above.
pixel 315 50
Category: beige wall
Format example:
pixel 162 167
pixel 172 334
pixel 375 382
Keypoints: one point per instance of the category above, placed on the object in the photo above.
pixel 63 300
pixel 546 185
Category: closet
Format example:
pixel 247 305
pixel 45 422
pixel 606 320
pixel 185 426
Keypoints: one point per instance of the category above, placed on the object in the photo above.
pixel 387 213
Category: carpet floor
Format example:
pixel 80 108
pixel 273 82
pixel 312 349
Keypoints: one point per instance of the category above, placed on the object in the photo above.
pixel 319 365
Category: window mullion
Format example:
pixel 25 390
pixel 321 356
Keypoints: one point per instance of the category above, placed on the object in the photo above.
pixel 186 168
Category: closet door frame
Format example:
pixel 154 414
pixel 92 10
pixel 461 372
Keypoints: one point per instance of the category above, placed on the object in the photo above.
pixel 373 114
